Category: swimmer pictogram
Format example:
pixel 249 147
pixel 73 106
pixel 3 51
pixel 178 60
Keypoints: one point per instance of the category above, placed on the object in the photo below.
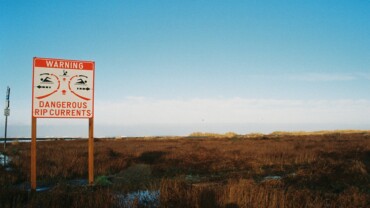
pixel 48 79
pixel 79 80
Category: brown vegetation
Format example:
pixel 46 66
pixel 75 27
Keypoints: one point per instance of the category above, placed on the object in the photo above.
pixel 329 169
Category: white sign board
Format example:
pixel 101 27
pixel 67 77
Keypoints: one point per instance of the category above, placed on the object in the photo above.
pixel 62 88
pixel 6 112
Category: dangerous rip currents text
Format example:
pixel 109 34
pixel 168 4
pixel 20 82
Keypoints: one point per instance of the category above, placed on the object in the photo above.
pixel 62 109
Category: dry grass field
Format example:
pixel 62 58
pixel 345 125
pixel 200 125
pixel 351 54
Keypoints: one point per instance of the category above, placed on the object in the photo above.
pixel 322 169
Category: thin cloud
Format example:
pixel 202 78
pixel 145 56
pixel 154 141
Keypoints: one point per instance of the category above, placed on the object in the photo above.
pixel 323 77
pixel 146 116
pixel 133 111
pixel 315 77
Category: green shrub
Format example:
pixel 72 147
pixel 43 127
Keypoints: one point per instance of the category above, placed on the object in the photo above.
pixel 102 181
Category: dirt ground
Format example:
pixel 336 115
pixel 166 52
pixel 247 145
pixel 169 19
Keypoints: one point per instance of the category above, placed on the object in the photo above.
pixel 329 169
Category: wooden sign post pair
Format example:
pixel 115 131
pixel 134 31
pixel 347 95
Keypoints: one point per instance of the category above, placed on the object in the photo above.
pixel 62 89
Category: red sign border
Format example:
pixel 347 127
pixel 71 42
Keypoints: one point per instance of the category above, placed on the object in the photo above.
pixel 57 59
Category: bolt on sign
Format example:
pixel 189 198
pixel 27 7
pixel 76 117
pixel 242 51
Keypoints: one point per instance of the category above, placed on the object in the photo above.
pixel 62 88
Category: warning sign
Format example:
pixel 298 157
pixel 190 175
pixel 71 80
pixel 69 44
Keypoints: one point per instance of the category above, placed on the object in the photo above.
pixel 62 88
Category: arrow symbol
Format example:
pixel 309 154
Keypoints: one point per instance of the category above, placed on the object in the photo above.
pixel 44 87
pixel 82 88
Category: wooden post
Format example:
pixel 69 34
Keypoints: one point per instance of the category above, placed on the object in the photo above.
pixel 33 154
pixel 91 151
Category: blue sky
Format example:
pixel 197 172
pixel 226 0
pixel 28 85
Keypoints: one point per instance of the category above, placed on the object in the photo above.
pixel 174 67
